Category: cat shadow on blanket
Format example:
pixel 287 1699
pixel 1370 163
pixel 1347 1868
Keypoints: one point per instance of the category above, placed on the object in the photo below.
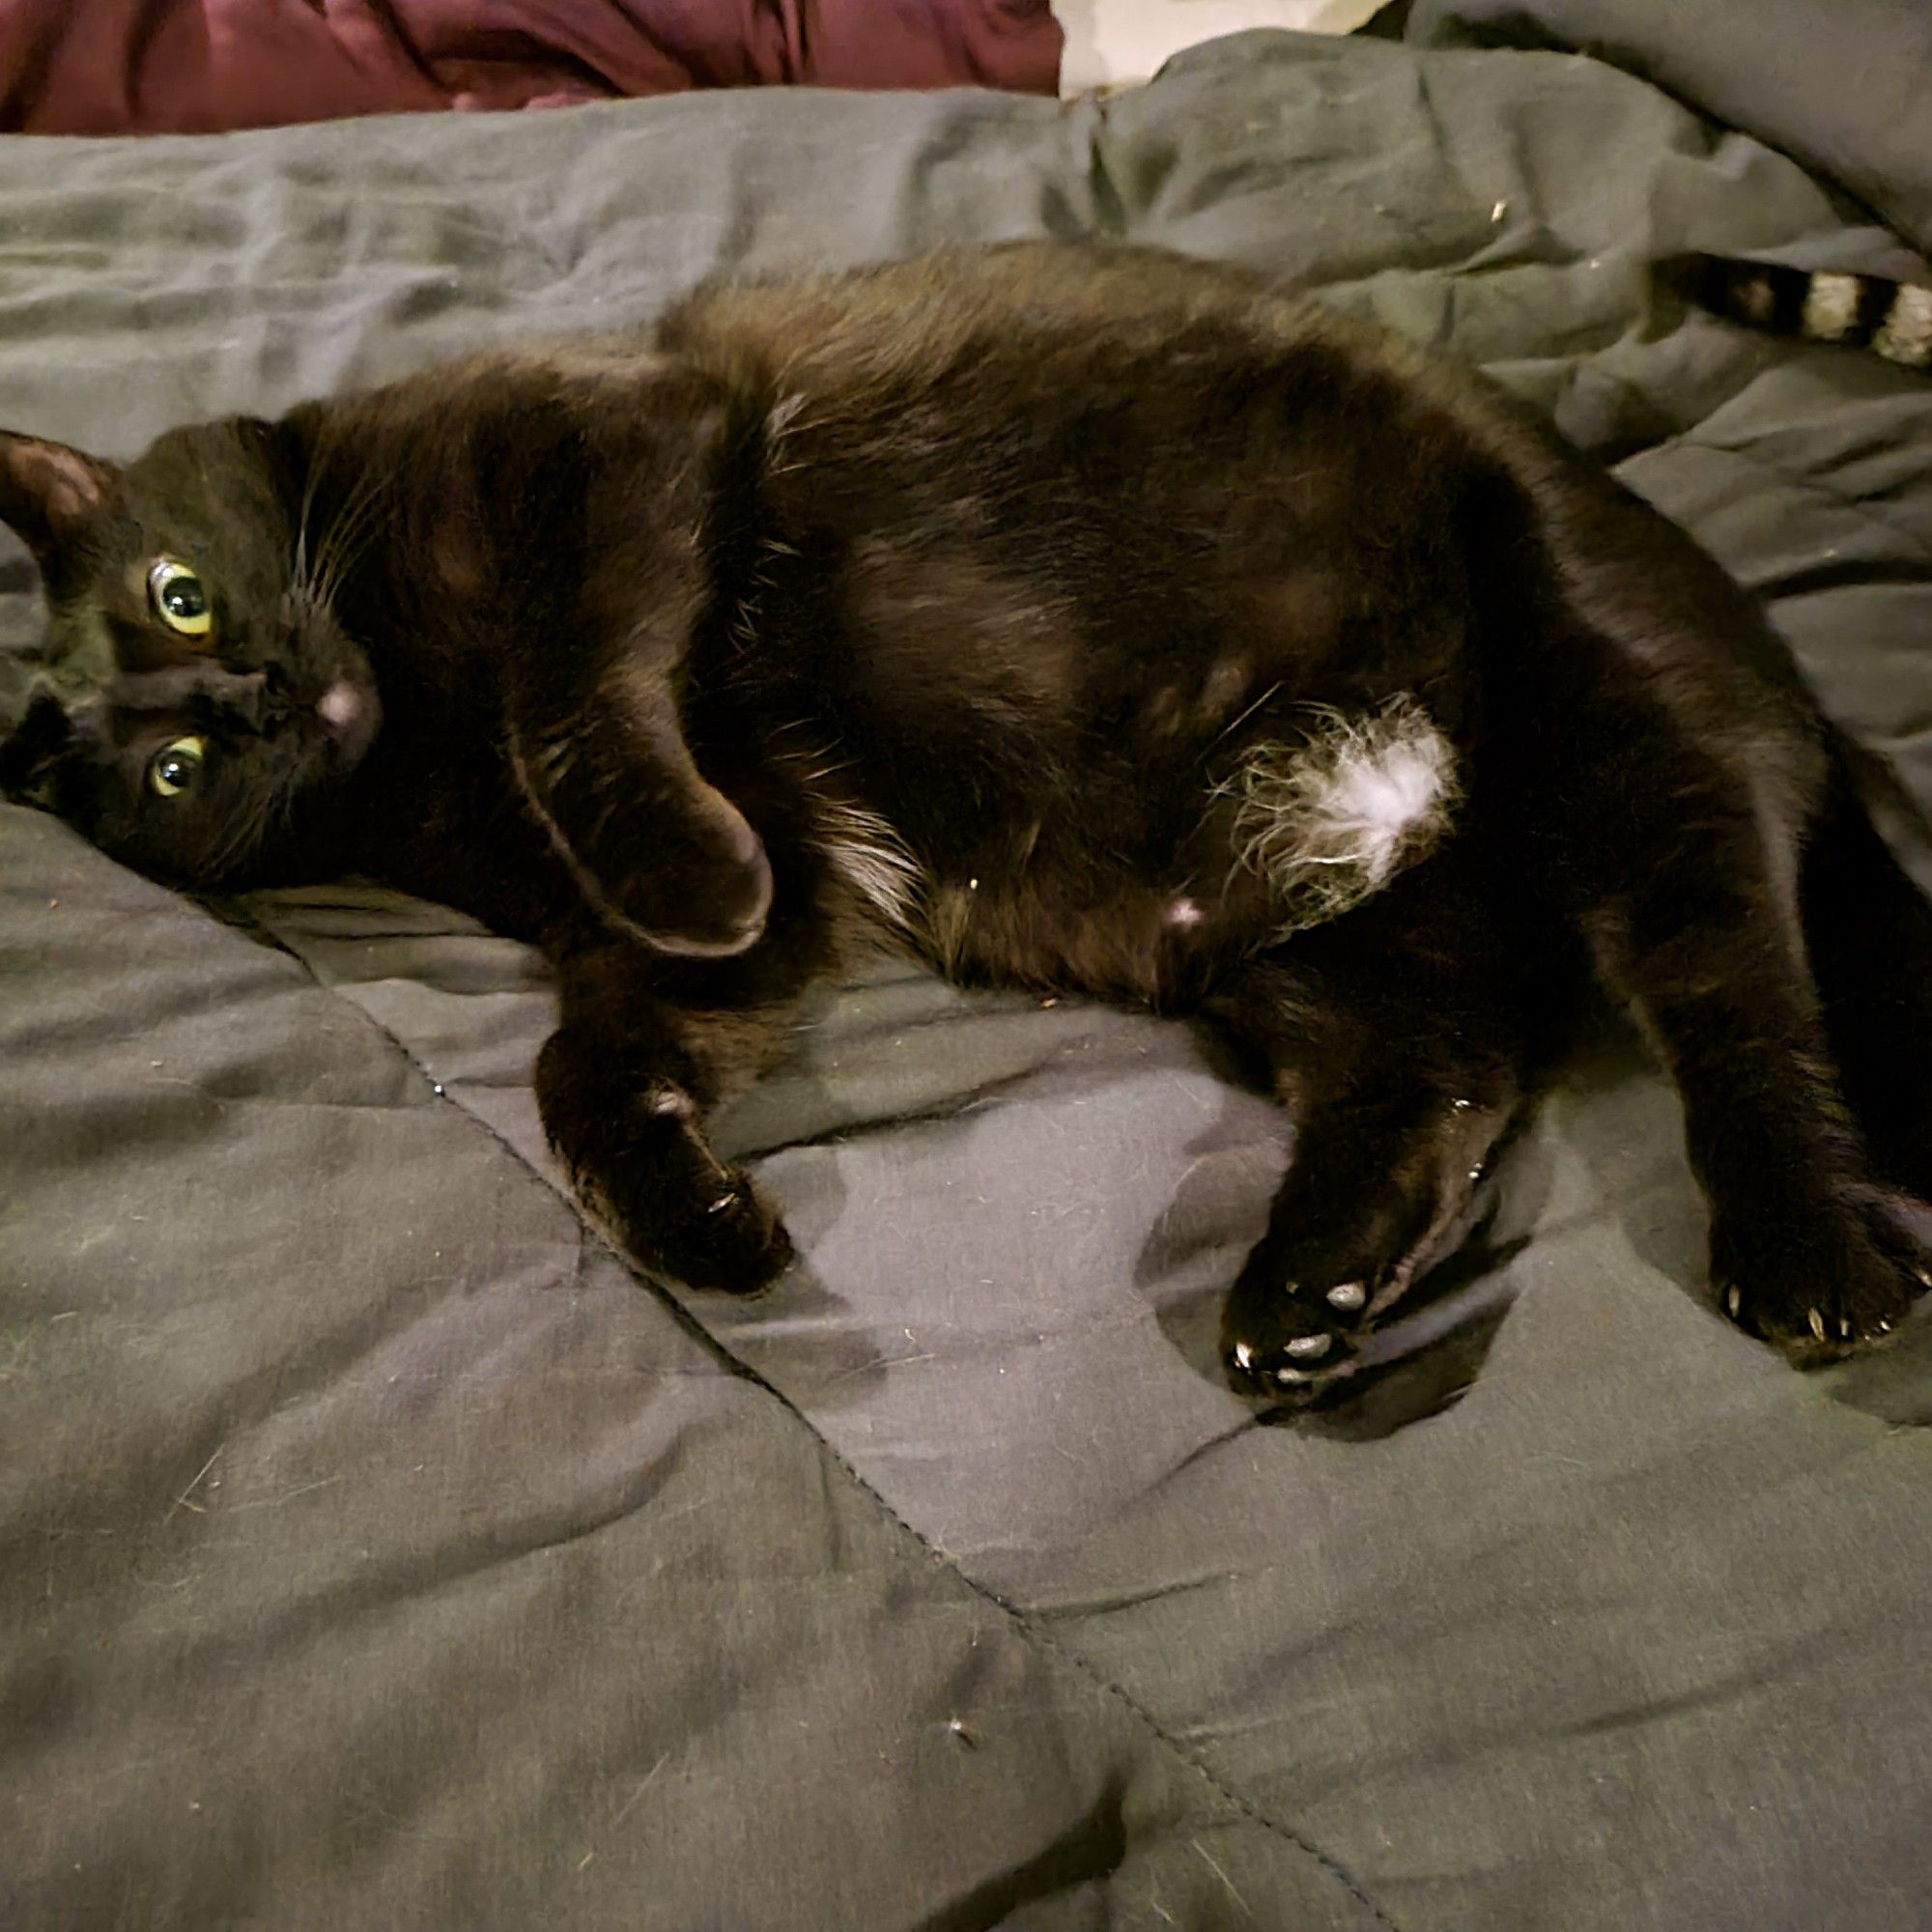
pixel 1415 1367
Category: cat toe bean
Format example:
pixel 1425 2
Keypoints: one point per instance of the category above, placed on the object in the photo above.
pixel 1281 1344
pixel 1266 1368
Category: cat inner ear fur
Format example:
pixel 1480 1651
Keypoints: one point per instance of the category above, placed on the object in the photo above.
pixel 49 493
pixel 31 756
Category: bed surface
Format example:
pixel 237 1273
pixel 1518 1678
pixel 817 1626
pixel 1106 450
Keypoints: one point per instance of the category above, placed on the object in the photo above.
pixel 376 1552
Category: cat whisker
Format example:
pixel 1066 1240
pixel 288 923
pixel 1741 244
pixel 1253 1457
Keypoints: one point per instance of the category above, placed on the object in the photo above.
pixel 348 534
pixel 302 514
pixel 341 547
pixel 1241 718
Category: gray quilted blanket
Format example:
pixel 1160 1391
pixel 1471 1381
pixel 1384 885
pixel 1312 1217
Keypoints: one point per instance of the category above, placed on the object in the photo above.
pixel 375 1551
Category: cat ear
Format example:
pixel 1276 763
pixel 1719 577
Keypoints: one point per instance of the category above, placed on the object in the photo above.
pixel 48 491
pixel 30 753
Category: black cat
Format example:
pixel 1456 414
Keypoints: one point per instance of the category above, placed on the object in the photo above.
pixel 1091 621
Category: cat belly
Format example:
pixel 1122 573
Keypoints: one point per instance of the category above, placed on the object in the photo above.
pixel 1294 831
pixel 1146 946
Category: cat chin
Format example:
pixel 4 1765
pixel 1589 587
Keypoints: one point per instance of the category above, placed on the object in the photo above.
pixel 351 714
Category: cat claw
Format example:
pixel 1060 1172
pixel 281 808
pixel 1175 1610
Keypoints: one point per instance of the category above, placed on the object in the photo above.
pixel 1734 1302
pixel 1816 1318
pixel 723 1202
pixel 1349 1296
pixel 1297 1362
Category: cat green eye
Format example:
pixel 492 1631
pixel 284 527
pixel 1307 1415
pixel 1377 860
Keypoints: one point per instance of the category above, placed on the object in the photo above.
pixel 180 598
pixel 177 768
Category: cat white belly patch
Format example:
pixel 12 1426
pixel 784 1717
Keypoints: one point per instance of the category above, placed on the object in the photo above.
pixel 1330 818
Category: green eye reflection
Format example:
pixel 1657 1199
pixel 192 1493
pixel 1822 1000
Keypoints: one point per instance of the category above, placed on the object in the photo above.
pixel 177 768
pixel 180 598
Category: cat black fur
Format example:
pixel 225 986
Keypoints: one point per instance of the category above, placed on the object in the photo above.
pixel 974 605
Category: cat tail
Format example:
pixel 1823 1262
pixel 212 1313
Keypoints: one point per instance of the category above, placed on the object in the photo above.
pixel 1893 319
pixel 1869 930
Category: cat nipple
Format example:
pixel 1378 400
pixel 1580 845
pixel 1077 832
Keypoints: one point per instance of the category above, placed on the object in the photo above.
pixel 1183 913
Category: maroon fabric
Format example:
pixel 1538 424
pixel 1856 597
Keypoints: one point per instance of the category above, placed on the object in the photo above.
pixel 115 66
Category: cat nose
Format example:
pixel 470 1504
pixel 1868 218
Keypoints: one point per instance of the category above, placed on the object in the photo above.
pixel 350 716
pixel 340 706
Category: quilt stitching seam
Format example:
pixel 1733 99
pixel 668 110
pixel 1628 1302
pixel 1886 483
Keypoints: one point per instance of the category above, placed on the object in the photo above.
pixel 1026 1627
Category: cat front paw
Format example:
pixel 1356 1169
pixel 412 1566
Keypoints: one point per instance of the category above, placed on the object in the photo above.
pixel 647 1173
pixel 1820 1282
pixel 681 1213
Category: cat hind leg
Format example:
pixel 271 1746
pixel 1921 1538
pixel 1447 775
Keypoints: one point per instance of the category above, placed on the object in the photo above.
pixel 1404 1034
pixel 1869 931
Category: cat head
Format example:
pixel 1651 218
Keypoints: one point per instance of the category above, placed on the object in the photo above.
pixel 192 696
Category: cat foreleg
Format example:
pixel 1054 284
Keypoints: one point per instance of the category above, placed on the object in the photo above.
pixel 624 1085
